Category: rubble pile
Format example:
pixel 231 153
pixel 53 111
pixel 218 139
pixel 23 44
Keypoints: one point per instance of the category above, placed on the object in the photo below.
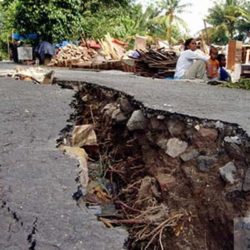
pixel 158 63
pixel 172 180
pixel 106 54
pixel 73 54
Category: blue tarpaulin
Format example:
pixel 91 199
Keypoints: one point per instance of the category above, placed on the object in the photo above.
pixel 31 36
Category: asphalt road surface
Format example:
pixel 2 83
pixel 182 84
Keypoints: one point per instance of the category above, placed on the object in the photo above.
pixel 196 99
pixel 37 181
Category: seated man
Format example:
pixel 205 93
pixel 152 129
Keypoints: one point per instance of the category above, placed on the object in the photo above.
pixel 223 74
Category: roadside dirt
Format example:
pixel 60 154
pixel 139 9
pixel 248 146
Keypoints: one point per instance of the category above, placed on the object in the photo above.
pixel 162 178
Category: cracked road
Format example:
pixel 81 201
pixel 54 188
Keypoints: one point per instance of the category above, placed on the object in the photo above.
pixel 37 181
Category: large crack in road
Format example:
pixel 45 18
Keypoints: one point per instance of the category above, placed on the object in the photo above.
pixel 175 180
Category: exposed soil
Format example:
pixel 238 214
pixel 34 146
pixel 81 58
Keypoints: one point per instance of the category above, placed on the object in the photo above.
pixel 164 201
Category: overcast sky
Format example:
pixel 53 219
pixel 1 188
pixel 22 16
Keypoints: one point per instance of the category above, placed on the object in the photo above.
pixel 194 15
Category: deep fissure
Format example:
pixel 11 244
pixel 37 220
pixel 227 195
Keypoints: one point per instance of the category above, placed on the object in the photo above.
pixel 164 176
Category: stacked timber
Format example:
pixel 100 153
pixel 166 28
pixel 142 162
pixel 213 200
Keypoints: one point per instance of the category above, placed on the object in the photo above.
pixel 157 63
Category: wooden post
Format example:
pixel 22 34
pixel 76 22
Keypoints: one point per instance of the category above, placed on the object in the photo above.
pixel 234 53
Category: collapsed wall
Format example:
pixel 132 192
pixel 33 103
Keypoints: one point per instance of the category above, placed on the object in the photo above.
pixel 174 180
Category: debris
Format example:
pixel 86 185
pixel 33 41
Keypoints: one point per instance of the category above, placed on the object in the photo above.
pixel 83 135
pixel 137 121
pixel 111 49
pixel 125 106
pixel 35 74
pixel 108 109
pixel 189 155
pixel 157 124
pixel 175 147
pixel 73 55
pixel 205 163
pixel 209 134
pixel 158 63
pixel 175 127
pixel 162 143
pixel 232 139
pixel 166 181
pixel 118 116
pixel 234 151
pixel 227 172
pixel 161 117
pixel 219 125
pixel 96 194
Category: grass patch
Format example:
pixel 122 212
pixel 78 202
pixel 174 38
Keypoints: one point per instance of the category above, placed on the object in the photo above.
pixel 243 83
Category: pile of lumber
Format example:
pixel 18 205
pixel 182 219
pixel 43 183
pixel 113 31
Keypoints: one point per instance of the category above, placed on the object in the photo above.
pixel 112 49
pixel 157 63
pixel 73 54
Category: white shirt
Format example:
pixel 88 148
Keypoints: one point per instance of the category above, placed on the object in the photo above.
pixel 185 60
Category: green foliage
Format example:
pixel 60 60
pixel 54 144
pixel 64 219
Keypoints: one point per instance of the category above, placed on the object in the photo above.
pixel 119 22
pixel 53 20
pixel 7 11
pixel 229 19
pixel 244 83
pixel 171 19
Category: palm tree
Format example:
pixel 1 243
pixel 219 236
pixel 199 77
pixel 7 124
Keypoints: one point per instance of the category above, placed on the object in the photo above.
pixel 225 15
pixel 172 9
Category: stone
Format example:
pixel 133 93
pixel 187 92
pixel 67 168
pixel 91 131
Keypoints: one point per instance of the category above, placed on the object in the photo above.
pixel 227 172
pixel 197 127
pixel 234 151
pixel 246 183
pixel 205 163
pixel 203 139
pixel 162 143
pixel 161 117
pixel 157 124
pixel 209 133
pixel 175 147
pixel 137 121
pixel 125 105
pixel 233 139
pixel 176 127
pixel 119 116
pixel 219 125
pixel 166 181
pixel 189 155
